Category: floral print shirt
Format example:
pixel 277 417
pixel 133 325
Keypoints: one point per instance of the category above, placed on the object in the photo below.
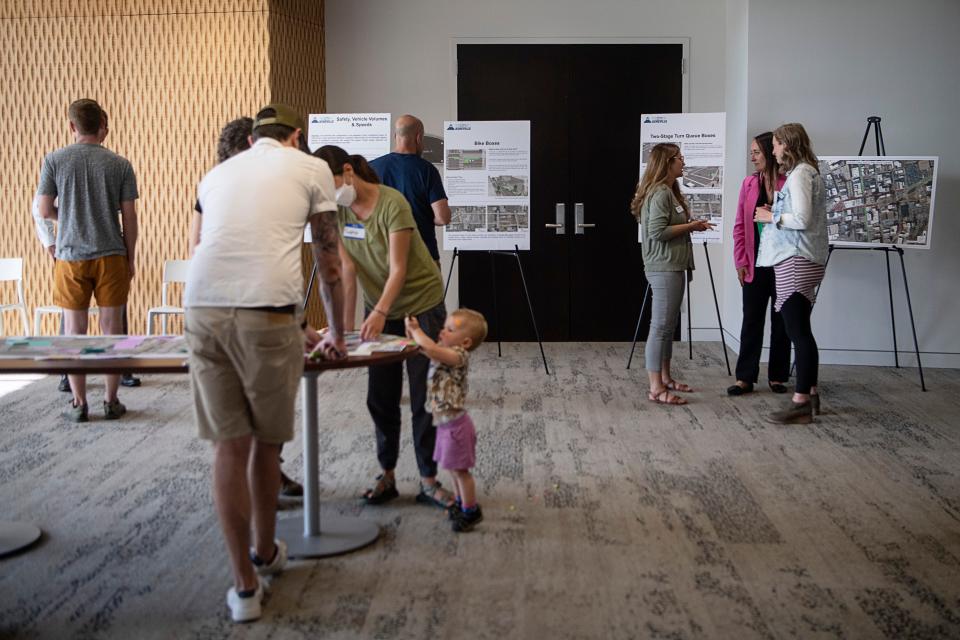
pixel 448 388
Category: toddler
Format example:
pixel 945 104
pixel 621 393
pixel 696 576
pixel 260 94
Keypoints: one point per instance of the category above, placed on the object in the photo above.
pixel 456 445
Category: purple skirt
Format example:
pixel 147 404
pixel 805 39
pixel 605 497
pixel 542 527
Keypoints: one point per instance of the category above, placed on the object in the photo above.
pixel 456 446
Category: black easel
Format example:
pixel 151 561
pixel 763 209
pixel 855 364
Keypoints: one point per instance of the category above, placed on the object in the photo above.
pixel 493 279
pixel 690 328
pixel 874 121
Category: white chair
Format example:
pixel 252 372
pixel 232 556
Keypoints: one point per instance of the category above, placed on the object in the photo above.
pixel 39 312
pixel 11 270
pixel 174 271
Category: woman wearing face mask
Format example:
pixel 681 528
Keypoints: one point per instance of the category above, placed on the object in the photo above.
pixel 380 245
pixel 795 244
pixel 757 283
pixel 661 209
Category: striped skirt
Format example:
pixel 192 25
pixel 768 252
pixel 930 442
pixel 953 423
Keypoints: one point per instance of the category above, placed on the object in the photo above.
pixel 797 275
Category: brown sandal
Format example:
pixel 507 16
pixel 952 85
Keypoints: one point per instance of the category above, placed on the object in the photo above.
pixel 673 385
pixel 383 491
pixel 665 397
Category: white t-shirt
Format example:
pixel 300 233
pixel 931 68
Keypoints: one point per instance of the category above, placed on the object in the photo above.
pixel 255 206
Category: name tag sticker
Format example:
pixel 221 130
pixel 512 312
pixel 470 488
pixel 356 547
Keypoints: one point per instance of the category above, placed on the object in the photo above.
pixel 354 232
pixel 679 209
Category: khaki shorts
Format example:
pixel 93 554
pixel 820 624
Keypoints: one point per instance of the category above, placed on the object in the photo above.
pixel 107 278
pixel 245 369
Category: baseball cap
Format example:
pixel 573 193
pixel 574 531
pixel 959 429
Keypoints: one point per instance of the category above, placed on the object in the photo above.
pixel 285 115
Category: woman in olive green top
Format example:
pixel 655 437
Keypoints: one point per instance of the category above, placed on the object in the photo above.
pixel 662 211
pixel 381 246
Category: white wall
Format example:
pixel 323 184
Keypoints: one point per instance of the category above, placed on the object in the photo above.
pixel 829 64
pixel 396 56
pixel 859 58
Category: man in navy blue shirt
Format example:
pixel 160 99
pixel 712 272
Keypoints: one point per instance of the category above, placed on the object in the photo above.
pixel 418 180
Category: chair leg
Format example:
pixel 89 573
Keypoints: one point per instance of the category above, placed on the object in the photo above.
pixel 149 324
pixel 26 321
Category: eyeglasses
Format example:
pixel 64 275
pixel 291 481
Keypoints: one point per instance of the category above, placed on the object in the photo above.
pixel 677 157
pixel 754 154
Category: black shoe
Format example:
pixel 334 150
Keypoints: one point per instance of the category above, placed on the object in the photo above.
pixel 466 521
pixel 290 488
pixel 776 387
pixel 127 380
pixel 737 390
pixel 454 510
pixel 64 384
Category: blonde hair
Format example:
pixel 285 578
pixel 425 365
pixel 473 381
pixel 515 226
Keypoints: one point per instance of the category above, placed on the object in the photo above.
pixel 656 174
pixel 474 323
pixel 796 146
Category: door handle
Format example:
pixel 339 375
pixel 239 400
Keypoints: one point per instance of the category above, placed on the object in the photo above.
pixel 578 219
pixel 561 213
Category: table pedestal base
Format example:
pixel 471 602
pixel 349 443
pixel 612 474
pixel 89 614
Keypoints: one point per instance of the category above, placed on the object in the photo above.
pixel 338 534
pixel 17 535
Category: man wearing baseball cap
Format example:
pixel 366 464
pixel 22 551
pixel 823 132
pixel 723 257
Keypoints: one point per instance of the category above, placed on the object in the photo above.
pixel 246 334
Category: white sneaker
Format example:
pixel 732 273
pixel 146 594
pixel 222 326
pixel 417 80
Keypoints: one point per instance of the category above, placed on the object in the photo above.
pixel 275 567
pixel 245 609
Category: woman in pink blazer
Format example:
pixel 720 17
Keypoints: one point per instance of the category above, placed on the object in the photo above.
pixel 758 285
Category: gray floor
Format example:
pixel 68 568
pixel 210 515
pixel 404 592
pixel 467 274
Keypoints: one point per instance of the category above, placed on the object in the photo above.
pixel 606 516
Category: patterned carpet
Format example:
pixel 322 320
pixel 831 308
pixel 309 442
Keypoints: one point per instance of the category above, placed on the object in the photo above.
pixel 606 516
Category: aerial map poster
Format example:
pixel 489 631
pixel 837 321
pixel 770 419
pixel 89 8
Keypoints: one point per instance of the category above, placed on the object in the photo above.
pixel 880 200
pixel 487 179
pixel 701 138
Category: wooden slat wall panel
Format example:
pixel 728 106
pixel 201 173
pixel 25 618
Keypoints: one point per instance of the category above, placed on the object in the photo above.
pixel 297 78
pixel 170 73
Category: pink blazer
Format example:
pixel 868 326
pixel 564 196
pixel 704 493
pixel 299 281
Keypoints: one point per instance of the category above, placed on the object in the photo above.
pixel 744 229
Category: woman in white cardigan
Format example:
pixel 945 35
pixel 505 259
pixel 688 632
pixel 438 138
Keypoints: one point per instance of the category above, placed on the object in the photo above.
pixel 795 245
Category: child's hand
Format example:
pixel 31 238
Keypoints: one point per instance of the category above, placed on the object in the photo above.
pixel 410 322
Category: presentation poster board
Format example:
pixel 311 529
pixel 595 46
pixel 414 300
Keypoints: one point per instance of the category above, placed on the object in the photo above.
pixel 880 201
pixel 702 141
pixel 487 179
pixel 365 134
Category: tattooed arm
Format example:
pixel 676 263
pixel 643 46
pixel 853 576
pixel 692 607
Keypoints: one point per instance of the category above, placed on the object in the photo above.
pixel 326 239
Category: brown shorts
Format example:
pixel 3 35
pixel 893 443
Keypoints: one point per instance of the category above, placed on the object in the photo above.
pixel 107 278
pixel 245 369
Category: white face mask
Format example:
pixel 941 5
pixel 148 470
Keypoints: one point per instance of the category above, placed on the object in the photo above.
pixel 346 195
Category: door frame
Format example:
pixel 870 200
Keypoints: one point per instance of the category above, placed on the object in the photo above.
pixel 453 82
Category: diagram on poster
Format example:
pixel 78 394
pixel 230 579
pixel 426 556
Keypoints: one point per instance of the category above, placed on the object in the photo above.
pixel 702 140
pixel 487 179
pixel 364 134
pixel 880 201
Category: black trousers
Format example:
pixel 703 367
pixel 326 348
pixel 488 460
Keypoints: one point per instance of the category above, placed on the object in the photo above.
pixel 796 319
pixel 756 296
pixel 385 388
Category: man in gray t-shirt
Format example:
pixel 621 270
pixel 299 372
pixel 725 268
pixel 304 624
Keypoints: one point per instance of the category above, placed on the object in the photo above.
pixel 95 255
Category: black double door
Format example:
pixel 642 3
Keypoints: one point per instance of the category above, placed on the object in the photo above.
pixel 584 103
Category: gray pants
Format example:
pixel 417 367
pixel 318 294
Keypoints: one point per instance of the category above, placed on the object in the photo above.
pixel 667 289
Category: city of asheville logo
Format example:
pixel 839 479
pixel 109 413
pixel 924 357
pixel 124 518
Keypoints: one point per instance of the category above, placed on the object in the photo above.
pixel 654 120
pixel 458 126
pixel 322 119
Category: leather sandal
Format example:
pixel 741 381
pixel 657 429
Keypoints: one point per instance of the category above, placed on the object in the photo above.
pixel 665 397
pixel 673 385
pixel 383 491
